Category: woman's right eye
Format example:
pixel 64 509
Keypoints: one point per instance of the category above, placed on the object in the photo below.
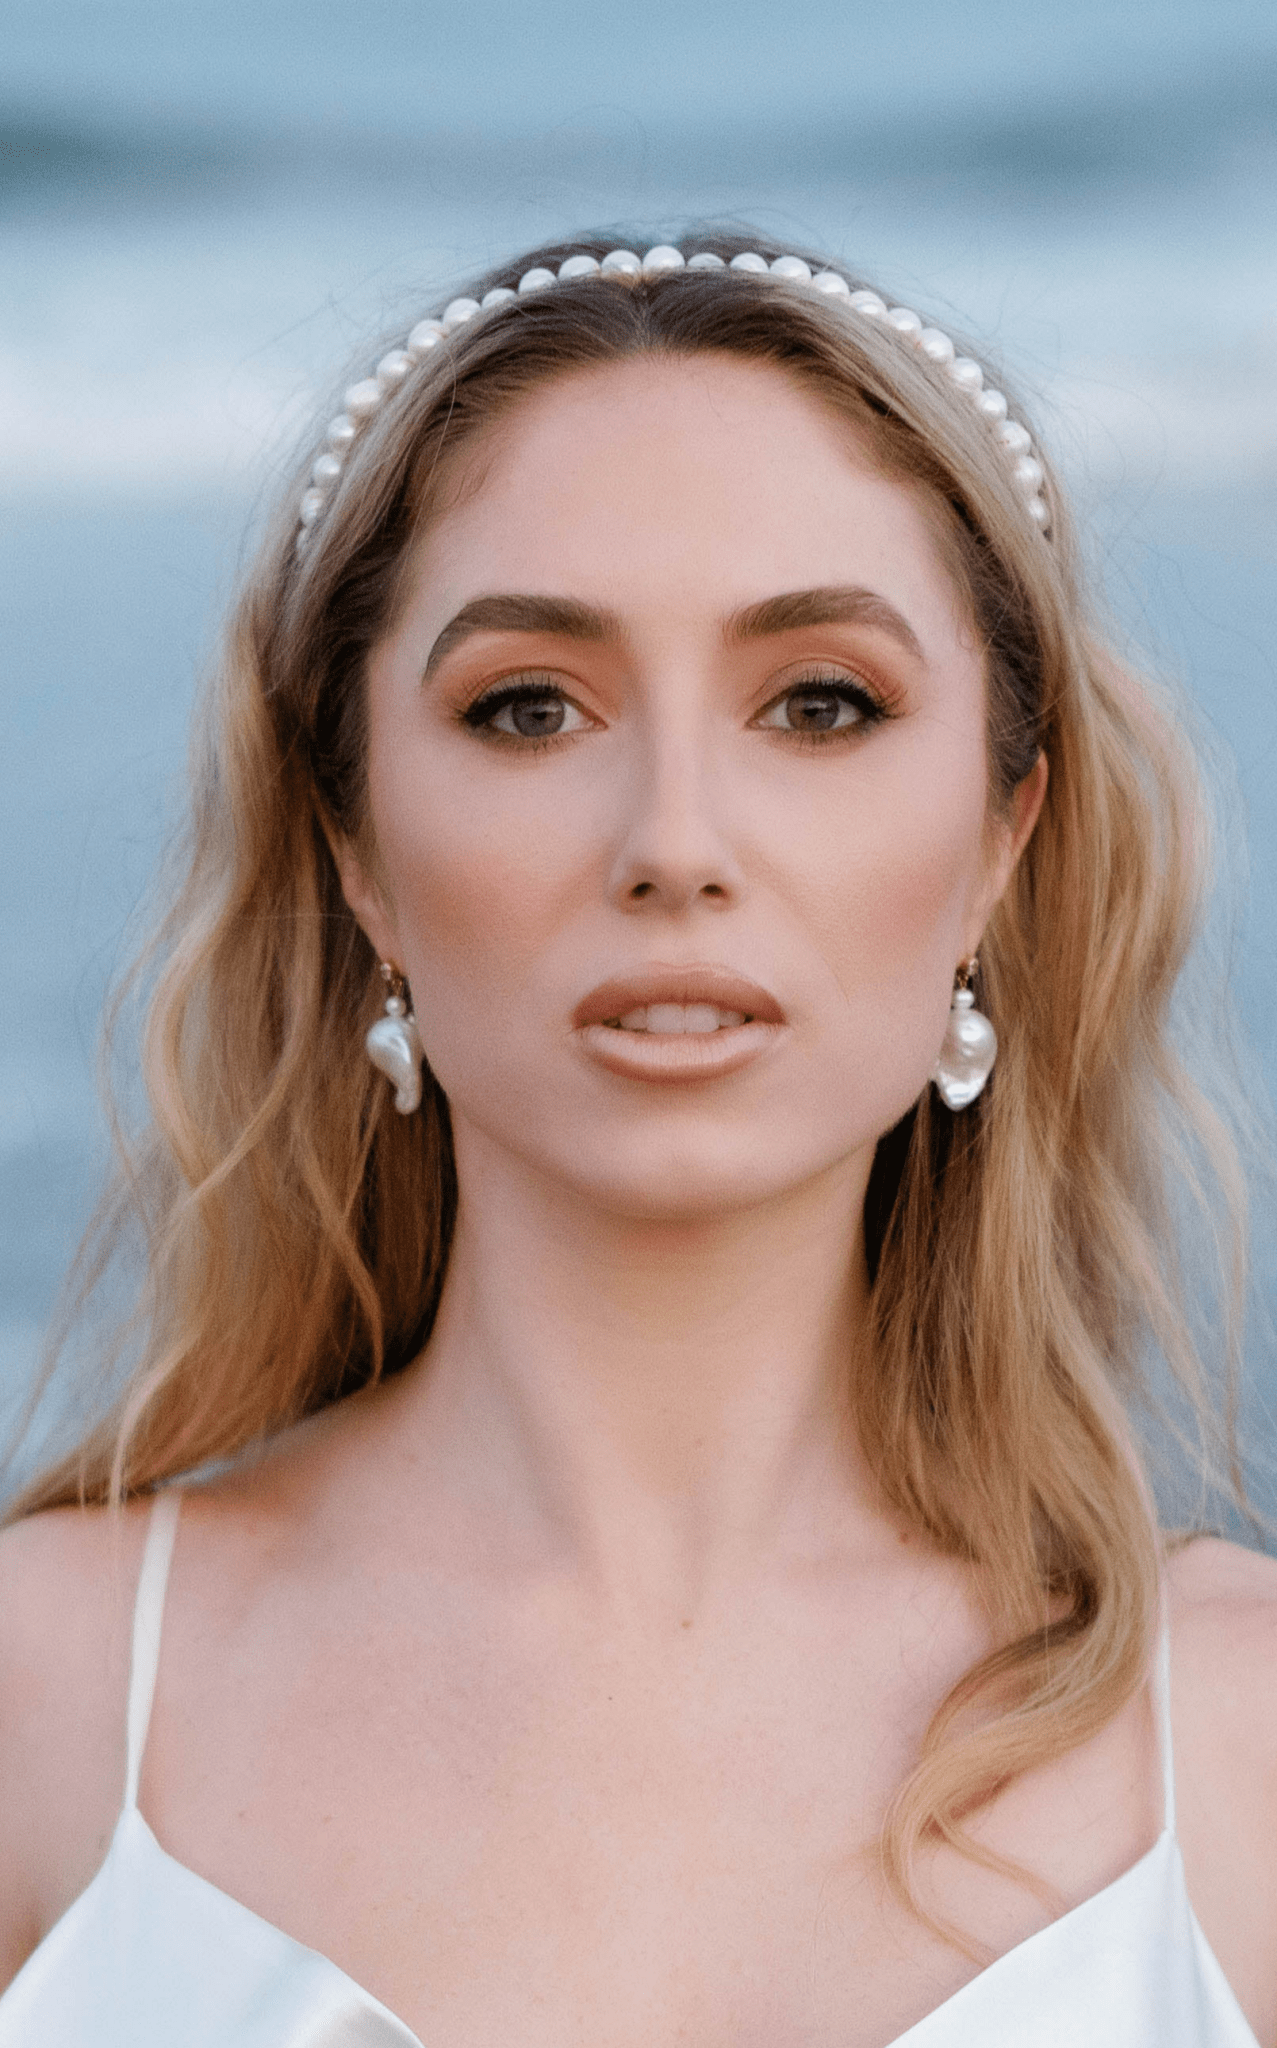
pixel 527 712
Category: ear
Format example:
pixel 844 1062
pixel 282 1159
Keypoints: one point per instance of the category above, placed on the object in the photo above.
pixel 1026 805
pixel 1010 836
pixel 363 893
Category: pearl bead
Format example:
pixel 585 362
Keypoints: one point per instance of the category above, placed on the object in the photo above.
pixel 361 400
pixel 392 369
pixel 427 334
pixel 936 346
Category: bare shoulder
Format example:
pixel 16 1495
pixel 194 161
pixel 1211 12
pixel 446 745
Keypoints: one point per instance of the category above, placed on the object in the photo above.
pixel 67 1581
pixel 1206 1568
pixel 1223 1623
pixel 1223 1619
pixel 1223 1612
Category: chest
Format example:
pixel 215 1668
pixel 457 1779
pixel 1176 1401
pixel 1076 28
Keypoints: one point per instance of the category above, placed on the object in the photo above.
pixel 555 1832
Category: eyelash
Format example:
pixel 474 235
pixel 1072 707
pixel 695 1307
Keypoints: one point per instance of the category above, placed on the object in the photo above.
pixel 478 716
pixel 825 682
pixel 527 690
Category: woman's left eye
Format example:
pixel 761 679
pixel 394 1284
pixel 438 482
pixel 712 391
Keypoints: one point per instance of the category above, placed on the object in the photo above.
pixel 819 707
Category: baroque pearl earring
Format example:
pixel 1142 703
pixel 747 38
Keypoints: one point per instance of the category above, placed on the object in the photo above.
pixel 970 1046
pixel 393 1046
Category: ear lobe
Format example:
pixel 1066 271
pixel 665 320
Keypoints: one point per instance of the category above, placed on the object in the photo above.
pixel 364 897
pixel 1026 805
pixel 1010 837
pixel 1017 830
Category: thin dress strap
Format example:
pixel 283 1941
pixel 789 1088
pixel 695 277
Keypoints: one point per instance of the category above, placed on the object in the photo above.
pixel 1162 1696
pixel 148 1620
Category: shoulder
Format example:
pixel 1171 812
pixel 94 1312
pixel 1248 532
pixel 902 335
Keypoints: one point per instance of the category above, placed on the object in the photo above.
pixel 67 1581
pixel 1223 1619
pixel 1222 1603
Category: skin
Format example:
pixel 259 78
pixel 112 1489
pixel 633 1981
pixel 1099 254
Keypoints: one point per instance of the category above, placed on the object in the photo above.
pixel 556 1689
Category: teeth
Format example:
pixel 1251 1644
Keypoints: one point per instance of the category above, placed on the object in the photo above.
pixel 675 1019
pixel 700 1017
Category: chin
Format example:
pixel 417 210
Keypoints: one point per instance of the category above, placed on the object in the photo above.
pixel 683 1183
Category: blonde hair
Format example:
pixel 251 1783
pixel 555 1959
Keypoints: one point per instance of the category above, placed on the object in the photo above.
pixel 1023 1254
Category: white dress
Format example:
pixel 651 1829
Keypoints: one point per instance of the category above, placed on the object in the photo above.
pixel 152 1956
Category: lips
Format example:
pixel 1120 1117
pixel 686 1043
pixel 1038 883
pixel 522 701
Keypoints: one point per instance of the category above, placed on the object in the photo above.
pixel 688 989
pixel 678 1024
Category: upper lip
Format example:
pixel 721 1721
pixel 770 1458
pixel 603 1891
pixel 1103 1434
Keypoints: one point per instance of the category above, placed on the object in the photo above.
pixel 661 984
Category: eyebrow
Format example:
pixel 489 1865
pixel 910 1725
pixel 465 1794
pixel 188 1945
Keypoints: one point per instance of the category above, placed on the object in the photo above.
pixel 568 618
pixel 564 616
pixel 835 604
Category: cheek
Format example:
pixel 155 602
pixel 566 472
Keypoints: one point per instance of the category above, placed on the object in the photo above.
pixel 887 869
pixel 479 878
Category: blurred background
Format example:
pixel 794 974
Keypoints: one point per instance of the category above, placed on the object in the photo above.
pixel 206 209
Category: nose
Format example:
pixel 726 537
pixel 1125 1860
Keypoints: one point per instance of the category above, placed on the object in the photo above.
pixel 672 851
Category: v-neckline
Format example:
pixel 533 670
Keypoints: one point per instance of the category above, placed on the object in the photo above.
pixel 915 2032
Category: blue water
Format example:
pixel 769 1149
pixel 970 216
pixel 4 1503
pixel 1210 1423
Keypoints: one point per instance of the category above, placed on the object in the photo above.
pixel 205 209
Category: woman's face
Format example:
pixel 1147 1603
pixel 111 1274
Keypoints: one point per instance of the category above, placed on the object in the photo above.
pixel 680 724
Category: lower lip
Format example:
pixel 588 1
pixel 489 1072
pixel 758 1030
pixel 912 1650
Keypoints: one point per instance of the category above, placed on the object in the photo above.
pixel 682 1056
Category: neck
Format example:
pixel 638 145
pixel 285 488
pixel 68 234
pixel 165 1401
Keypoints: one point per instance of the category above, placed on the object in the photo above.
pixel 660 1400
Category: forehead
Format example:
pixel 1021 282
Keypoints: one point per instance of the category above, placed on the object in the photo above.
pixel 678 486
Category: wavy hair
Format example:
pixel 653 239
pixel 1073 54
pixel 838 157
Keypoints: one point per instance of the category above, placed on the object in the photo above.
pixel 1023 1255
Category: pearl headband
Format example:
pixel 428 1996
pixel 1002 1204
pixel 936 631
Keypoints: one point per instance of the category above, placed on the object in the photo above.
pixel 364 400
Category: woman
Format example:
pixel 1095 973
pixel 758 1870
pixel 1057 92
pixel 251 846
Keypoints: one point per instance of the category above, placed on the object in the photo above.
pixel 673 1562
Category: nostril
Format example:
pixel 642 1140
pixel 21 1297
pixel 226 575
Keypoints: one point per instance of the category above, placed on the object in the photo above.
pixel 641 889
pixel 713 889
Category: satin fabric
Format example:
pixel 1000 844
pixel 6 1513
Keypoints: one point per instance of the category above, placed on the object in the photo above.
pixel 152 1956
